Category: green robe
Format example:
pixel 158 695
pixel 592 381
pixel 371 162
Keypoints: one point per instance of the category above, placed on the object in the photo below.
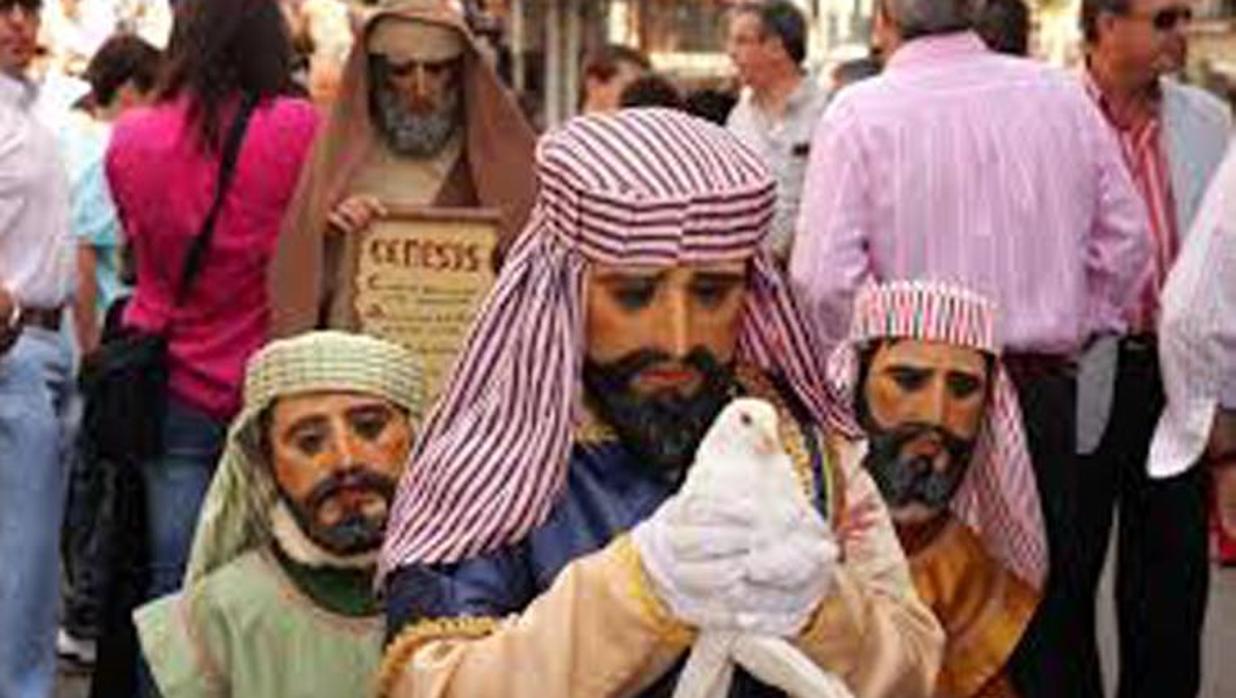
pixel 247 630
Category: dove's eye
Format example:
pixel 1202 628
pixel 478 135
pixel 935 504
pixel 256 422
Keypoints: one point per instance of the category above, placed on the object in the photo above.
pixel 746 419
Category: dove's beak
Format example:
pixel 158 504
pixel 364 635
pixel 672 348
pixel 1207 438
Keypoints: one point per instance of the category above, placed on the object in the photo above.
pixel 767 444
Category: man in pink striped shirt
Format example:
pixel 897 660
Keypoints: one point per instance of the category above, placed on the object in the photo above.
pixel 1172 137
pixel 963 166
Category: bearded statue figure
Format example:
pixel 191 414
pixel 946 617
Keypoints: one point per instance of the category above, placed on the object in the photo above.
pixel 946 450
pixel 278 599
pixel 422 120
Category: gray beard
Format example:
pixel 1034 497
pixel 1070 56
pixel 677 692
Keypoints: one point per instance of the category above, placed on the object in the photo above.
pixel 416 135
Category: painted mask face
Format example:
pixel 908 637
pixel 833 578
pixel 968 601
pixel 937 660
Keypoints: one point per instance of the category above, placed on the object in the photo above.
pixel 418 106
pixel 337 458
pixel 922 404
pixel 417 96
pixel 660 352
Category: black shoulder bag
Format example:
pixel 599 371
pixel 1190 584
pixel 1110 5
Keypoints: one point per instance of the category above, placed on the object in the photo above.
pixel 125 383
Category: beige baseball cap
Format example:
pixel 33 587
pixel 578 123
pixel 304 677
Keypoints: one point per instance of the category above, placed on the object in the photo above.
pixel 403 40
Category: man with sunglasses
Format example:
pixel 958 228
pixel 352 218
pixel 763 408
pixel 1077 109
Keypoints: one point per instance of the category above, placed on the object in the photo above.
pixel 36 273
pixel 1172 137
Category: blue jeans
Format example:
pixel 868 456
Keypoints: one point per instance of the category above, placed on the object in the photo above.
pixel 35 380
pixel 176 484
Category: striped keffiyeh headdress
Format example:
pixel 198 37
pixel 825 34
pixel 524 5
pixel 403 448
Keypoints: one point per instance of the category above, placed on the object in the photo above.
pixel 644 187
pixel 999 497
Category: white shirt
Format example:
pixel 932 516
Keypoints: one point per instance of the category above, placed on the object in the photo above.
pixel 36 247
pixel 1197 330
pixel 784 144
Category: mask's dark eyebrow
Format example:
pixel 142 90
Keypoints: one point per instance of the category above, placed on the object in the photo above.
pixel 720 277
pixel 617 278
pixel 907 367
pixel 316 421
pixel 978 378
pixel 369 409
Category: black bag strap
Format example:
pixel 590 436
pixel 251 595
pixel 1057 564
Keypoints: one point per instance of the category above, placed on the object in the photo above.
pixel 196 256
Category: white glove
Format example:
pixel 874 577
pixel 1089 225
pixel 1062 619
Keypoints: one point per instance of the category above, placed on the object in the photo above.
pixel 696 563
pixel 740 547
pixel 787 573
pixel 721 565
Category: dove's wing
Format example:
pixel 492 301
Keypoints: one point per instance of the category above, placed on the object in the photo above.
pixel 777 663
pixel 709 669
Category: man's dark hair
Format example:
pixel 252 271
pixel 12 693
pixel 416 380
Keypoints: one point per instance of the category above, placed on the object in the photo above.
pixel 221 49
pixel 919 18
pixel 855 70
pixel 124 58
pixel 1090 11
pixel 651 91
pixel 780 18
pixel 1005 26
pixel 603 63
pixel 713 105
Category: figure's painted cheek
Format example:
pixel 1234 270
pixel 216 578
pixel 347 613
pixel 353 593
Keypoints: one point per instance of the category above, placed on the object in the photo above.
pixel 890 406
pixel 964 417
pixel 389 453
pixel 298 472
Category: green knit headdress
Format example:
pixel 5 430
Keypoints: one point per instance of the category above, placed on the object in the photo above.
pixel 235 515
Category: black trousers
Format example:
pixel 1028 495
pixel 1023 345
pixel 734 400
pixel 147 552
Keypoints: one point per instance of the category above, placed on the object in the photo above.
pixel 1162 569
pixel 1050 660
pixel 80 547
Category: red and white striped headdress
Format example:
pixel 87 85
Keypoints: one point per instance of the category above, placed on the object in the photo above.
pixel 999 497
pixel 647 187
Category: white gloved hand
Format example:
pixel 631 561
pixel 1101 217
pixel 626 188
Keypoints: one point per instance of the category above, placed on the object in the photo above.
pixel 787 573
pixel 740 547
pixel 696 560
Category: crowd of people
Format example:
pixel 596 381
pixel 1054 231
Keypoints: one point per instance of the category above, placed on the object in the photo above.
pixel 843 383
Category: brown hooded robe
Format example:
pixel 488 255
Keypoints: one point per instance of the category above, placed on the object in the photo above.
pixel 310 284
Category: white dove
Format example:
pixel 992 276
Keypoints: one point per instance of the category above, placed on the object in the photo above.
pixel 742 453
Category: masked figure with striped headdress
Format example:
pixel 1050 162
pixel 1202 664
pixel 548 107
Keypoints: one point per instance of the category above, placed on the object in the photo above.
pixel 278 598
pixel 947 451
pixel 538 545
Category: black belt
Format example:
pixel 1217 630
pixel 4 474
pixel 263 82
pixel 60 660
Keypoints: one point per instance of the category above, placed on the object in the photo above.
pixel 1024 365
pixel 1140 344
pixel 44 318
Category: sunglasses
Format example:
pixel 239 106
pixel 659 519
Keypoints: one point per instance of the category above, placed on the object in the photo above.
pixel 30 6
pixel 1168 18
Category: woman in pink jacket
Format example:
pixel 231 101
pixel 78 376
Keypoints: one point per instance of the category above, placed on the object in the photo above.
pixel 162 165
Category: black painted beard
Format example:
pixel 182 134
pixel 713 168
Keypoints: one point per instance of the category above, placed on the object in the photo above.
pixel 412 134
pixel 356 532
pixel 910 479
pixel 664 429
